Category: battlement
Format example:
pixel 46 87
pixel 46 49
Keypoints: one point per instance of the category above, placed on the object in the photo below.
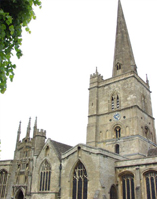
pixel 40 132
pixel 96 77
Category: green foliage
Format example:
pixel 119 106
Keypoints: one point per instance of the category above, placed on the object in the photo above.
pixel 14 14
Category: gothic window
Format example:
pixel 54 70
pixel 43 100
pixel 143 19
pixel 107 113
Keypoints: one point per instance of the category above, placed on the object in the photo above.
pixel 112 101
pixel 118 132
pixel 118 66
pixel 80 182
pixel 3 183
pixel 117 101
pixel 151 184
pixel 113 192
pixel 117 148
pixel 45 176
pixel 128 186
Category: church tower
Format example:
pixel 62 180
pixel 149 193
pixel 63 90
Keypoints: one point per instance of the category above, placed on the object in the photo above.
pixel 120 112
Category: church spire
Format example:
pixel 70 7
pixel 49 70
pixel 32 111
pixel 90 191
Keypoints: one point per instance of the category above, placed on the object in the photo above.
pixel 123 55
pixel 28 129
pixel 18 134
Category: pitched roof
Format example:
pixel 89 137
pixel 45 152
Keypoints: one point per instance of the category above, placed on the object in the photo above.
pixel 60 147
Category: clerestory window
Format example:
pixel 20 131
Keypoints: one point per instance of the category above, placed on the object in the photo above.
pixel 3 183
pixel 151 184
pixel 45 176
pixel 80 182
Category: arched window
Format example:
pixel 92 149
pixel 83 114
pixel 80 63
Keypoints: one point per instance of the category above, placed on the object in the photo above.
pixel 80 182
pixel 117 101
pixel 113 192
pixel 117 148
pixel 112 103
pixel 151 184
pixel 3 183
pixel 118 66
pixel 128 186
pixel 118 132
pixel 45 176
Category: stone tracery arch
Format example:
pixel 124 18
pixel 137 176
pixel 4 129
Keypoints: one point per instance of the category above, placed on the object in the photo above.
pixel 80 181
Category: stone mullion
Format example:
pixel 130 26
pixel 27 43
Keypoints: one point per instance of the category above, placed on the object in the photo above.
pixel 77 188
pixel 150 187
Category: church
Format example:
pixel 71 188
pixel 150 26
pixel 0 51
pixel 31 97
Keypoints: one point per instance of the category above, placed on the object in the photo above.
pixel 119 159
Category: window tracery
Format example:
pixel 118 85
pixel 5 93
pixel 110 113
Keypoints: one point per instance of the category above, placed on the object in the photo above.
pixel 45 176
pixel 115 101
pixel 151 184
pixel 128 186
pixel 80 182
pixel 3 183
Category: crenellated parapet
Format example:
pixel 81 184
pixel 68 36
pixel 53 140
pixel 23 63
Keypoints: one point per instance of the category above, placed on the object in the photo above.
pixel 95 78
pixel 40 132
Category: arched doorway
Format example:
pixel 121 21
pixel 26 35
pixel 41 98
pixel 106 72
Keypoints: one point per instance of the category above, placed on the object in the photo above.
pixel 113 192
pixel 19 195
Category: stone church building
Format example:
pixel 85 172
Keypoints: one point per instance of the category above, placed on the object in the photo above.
pixel 119 159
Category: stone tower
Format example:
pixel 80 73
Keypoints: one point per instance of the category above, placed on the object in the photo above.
pixel 120 111
pixel 26 151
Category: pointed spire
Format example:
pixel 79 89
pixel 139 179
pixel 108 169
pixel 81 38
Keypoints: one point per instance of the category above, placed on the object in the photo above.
pixel 147 81
pixel 123 55
pixel 28 129
pixel 18 134
pixel 35 127
pixel 96 72
pixel 35 124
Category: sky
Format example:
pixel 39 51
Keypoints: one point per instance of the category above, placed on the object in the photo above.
pixel 68 40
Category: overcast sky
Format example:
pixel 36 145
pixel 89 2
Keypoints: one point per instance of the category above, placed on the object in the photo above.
pixel 68 40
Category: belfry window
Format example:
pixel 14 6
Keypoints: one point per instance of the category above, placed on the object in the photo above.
pixel 45 176
pixel 118 66
pixel 118 132
pixel 117 101
pixel 80 182
pixel 3 183
pixel 128 187
pixel 151 185
pixel 112 101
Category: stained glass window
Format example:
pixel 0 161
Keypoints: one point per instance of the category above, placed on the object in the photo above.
pixel 80 182
pixel 151 185
pixel 128 186
pixel 45 176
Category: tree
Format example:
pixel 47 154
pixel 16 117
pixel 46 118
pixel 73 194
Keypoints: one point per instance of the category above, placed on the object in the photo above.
pixel 14 15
